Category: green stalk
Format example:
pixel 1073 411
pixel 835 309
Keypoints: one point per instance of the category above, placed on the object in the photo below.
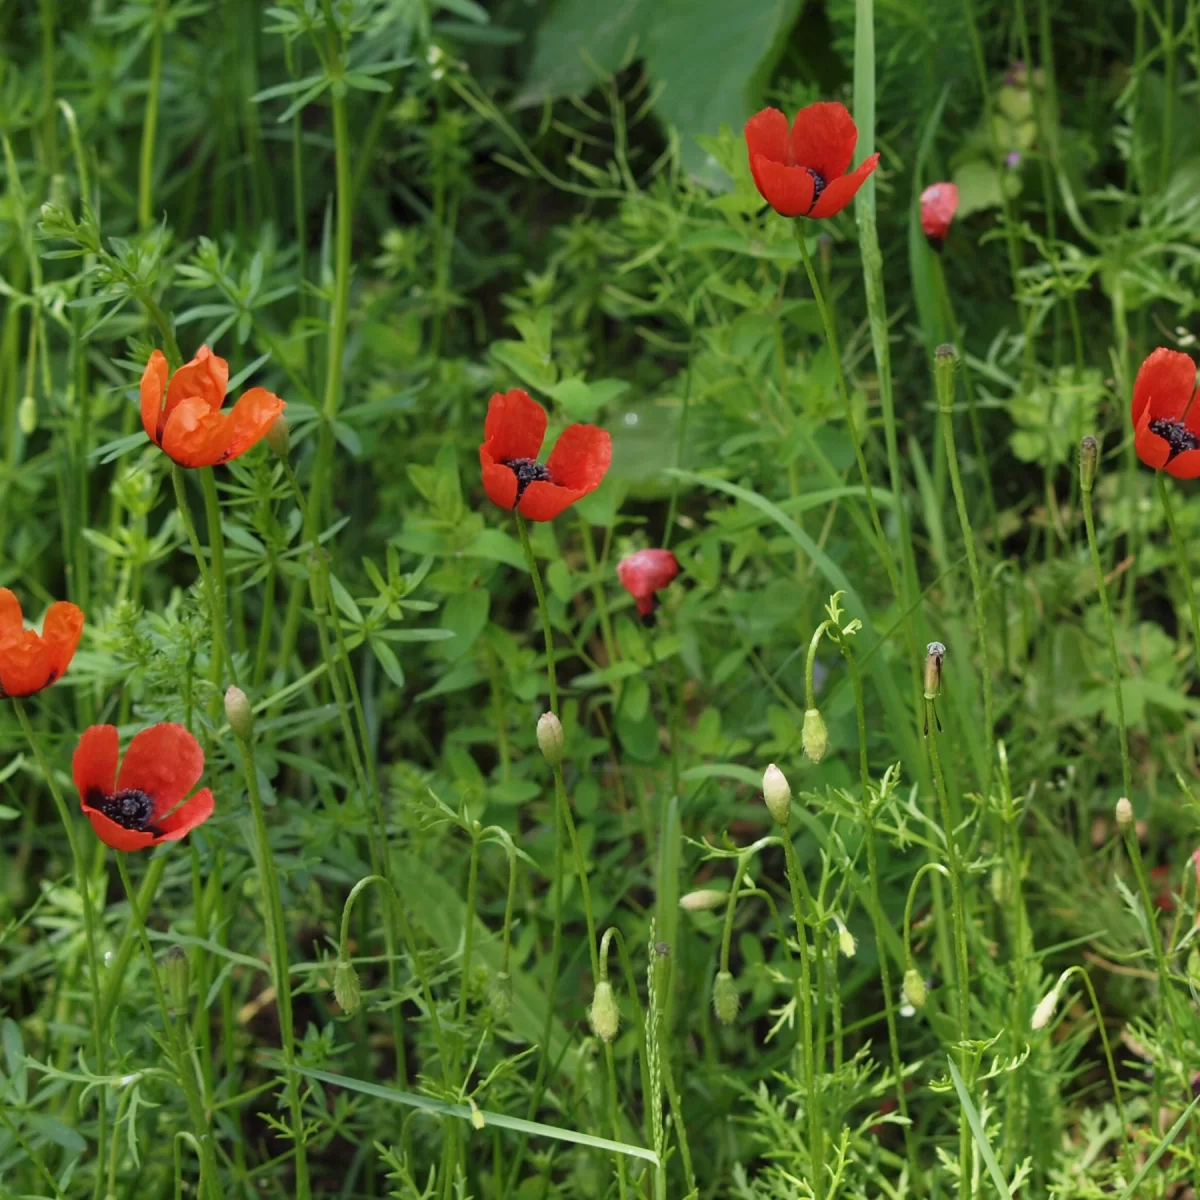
pixel 150 119
pixel 944 367
pixel 216 545
pixel 120 961
pixel 1181 560
pixel 183 1068
pixel 280 970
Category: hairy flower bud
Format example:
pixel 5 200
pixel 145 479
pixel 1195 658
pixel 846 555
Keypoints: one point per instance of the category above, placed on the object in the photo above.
pixel 604 1015
pixel 346 990
pixel 726 1001
pixel 1045 1009
pixel 500 996
pixel 178 979
pixel 702 900
pixel 777 794
pixel 239 714
pixel 1089 455
pixel 914 988
pixel 1124 814
pixel 279 437
pixel 550 738
pixel 814 736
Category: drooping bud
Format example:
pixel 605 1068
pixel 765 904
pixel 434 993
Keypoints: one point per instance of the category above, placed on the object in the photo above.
pixel 814 736
pixel 500 996
pixel 27 416
pixel 914 988
pixel 1089 456
pixel 846 943
pixel 702 900
pixel 935 654
pixel 178 980
pixel 279 437
pixel 726 1001
pixel 1124 814
pixel 777 794
pixel 1045 1009
pixel 239 714
pixel 346 990
pixel 550 738
pixel 604 1015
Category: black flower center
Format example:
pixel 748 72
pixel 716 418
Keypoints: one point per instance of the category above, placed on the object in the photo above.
pixel 527 471
pixel 1176 434
pixel 130 809
pixel 818 186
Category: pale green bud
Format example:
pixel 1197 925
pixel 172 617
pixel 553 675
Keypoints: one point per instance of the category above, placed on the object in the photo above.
pixel 604 1015
pixel 777 794
pixel 346 990
pixel 1124 814
pixel 815 737
pixel 500 996
pixel 239 714
pixel 703 900
pixel 914 988
pixel 726 1001
pixel 550 738
pixel 27 416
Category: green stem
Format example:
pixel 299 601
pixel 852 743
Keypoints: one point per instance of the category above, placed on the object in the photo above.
pixel 150 120
pixel 280 970
pixel 560 794
pixel 216 544
pixel 543 611
pixel 1181 559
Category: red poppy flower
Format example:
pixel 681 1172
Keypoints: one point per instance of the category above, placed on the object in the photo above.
pixel 939 203
pixel 31 661
pixel 512 475
pixel 183 417
pixel 801 172
pixel 141 807
pixel 645 572
pixel 1165 422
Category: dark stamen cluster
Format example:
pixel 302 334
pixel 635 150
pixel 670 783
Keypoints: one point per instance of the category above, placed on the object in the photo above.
pixel 130 809
pixel 527 471
pixel 1176 434
pixel 818 186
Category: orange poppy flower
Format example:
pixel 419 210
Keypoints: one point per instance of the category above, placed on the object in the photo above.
pixel 182 415
pixel 141 807
pixel 31 661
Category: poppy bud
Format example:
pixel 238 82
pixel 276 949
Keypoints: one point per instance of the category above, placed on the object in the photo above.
pixel 27 416
pixel 935 653
pixel 814 736
pixel 500 996
pixel 346 990
pixel 550 738
pixel 777 794
pixel 725 998
pixel 939 203
pixel 239 714
pixel 1089 454
pixel 178 979
pixel 279 437
pixel 846 943
pixel 1124 814
pixel 914 988
pixel 1045 1010
pixel 478 1120
pixel 702 900
pixel 604 1015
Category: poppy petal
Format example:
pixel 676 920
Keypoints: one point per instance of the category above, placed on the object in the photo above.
pixel 186 817
pixel 939 203
pixel 1152 449
pixel 11 624
pixel 61 631
pixel 499 481
pixel 823 137
pixel 1185 465
pixel 1164 385
pixel 767 134
pixel 206 376
pixel 94 764
pixel 154 384
pixel 117 836
pixel 165 762
pixel 788 190
pixel 515 425
pixel 645 572
pixel 25 665
pixel 194 435
pixel 841 191
pixel 544 501
pixel 580 458
pixel 251 417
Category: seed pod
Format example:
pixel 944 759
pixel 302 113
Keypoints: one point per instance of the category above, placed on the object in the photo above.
pixel 550 738
pixel 346 990
pixel 914 988
pixel 777 794
pixel 726 1001
pixel 814 736
pixel 604 1015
